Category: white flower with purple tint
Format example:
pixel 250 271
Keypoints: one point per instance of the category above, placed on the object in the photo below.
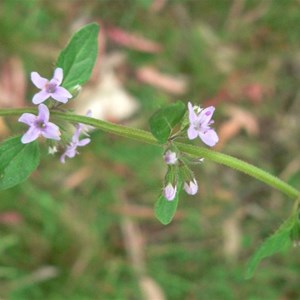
pixel 39 125
pixel 71 149
pixel 170 157
pixel 191 187
pixel 200 125
pixel 170 192
pixel 50 88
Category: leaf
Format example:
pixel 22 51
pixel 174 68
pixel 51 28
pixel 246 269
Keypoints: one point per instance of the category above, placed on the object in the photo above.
pixel 79 57
pixel 165 209
pixel 17 161
pixel 164 120
pixel 277 242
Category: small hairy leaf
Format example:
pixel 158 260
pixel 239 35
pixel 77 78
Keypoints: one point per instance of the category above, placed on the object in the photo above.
pixel 79 57
pixel 277 242
pixel 165 119
pixel 164 209
pixel 17 161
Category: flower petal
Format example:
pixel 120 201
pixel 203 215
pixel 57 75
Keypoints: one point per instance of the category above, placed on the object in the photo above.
pixel 58 75
pixel 51 131
pixel 61 94
pixel 192 115
pixel 206 115
pixel 210 137
pixel 192 132
pixel 84 142
pixel 44 114
pixel 70 152
pixel 38 80
pixel 27 118
pixel 40 97
pixel 31 135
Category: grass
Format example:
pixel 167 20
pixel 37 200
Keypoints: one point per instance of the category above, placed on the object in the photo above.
pixel 66 239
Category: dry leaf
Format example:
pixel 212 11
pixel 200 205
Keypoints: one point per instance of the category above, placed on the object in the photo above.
pixel 238 119
pixel 134 241
pixel 107 98
pixel 232 235
pixel 4 130
pixel 158 5
pixel 254 92
pixel 132 41
pixel 12 83
pixel 10 218
pixel 175 85
pixel 77 178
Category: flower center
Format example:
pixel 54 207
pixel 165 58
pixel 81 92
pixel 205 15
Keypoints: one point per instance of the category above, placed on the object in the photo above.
pixel 40 124
pixel 51 87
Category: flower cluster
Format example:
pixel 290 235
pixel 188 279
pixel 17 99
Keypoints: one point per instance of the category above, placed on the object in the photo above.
pixel 200 121
pixel 40 125
pixel 178 167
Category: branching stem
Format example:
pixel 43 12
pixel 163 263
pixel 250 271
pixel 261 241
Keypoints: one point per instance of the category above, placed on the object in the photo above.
pixel 195 151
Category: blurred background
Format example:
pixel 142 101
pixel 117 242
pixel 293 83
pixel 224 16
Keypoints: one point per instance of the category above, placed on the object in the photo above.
pixel 86 229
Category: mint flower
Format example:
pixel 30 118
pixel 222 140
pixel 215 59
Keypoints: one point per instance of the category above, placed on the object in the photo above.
pixel 170 192
pixel 39 125
pixel 50 88
pixel 170 157
pixel 200 125
pixel 71 149
pixel 191 187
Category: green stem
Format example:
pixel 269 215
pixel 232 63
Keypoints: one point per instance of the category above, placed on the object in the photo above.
pixel 146 137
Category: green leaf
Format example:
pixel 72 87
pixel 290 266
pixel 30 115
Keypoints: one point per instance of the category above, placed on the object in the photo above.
pixel 277 242
pixel 79 57
pixel 165 209
pixel 164 120
pixel 17 161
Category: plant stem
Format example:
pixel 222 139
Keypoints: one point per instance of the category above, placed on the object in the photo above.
pixel 147 137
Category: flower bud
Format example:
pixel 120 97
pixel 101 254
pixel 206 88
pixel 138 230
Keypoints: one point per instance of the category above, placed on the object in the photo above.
pixel 170 192
pixel 191 187
pixel 170 157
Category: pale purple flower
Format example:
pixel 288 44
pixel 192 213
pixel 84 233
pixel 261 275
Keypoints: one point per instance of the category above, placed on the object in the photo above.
pixel 170 192
pixel 50 88
pixel 39 125
pixel 200 125
pixel 71 149
pixel 191 187
pixel 170 157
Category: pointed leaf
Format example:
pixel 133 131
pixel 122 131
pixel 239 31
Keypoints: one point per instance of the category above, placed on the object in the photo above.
pixel 277 242
pixel 164 120
pixel 79 57
pixel 17 161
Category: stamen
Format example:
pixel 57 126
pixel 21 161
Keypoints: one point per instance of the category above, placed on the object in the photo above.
pixel 51 87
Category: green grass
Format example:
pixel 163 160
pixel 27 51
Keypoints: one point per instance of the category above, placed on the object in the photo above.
pixel 77 231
